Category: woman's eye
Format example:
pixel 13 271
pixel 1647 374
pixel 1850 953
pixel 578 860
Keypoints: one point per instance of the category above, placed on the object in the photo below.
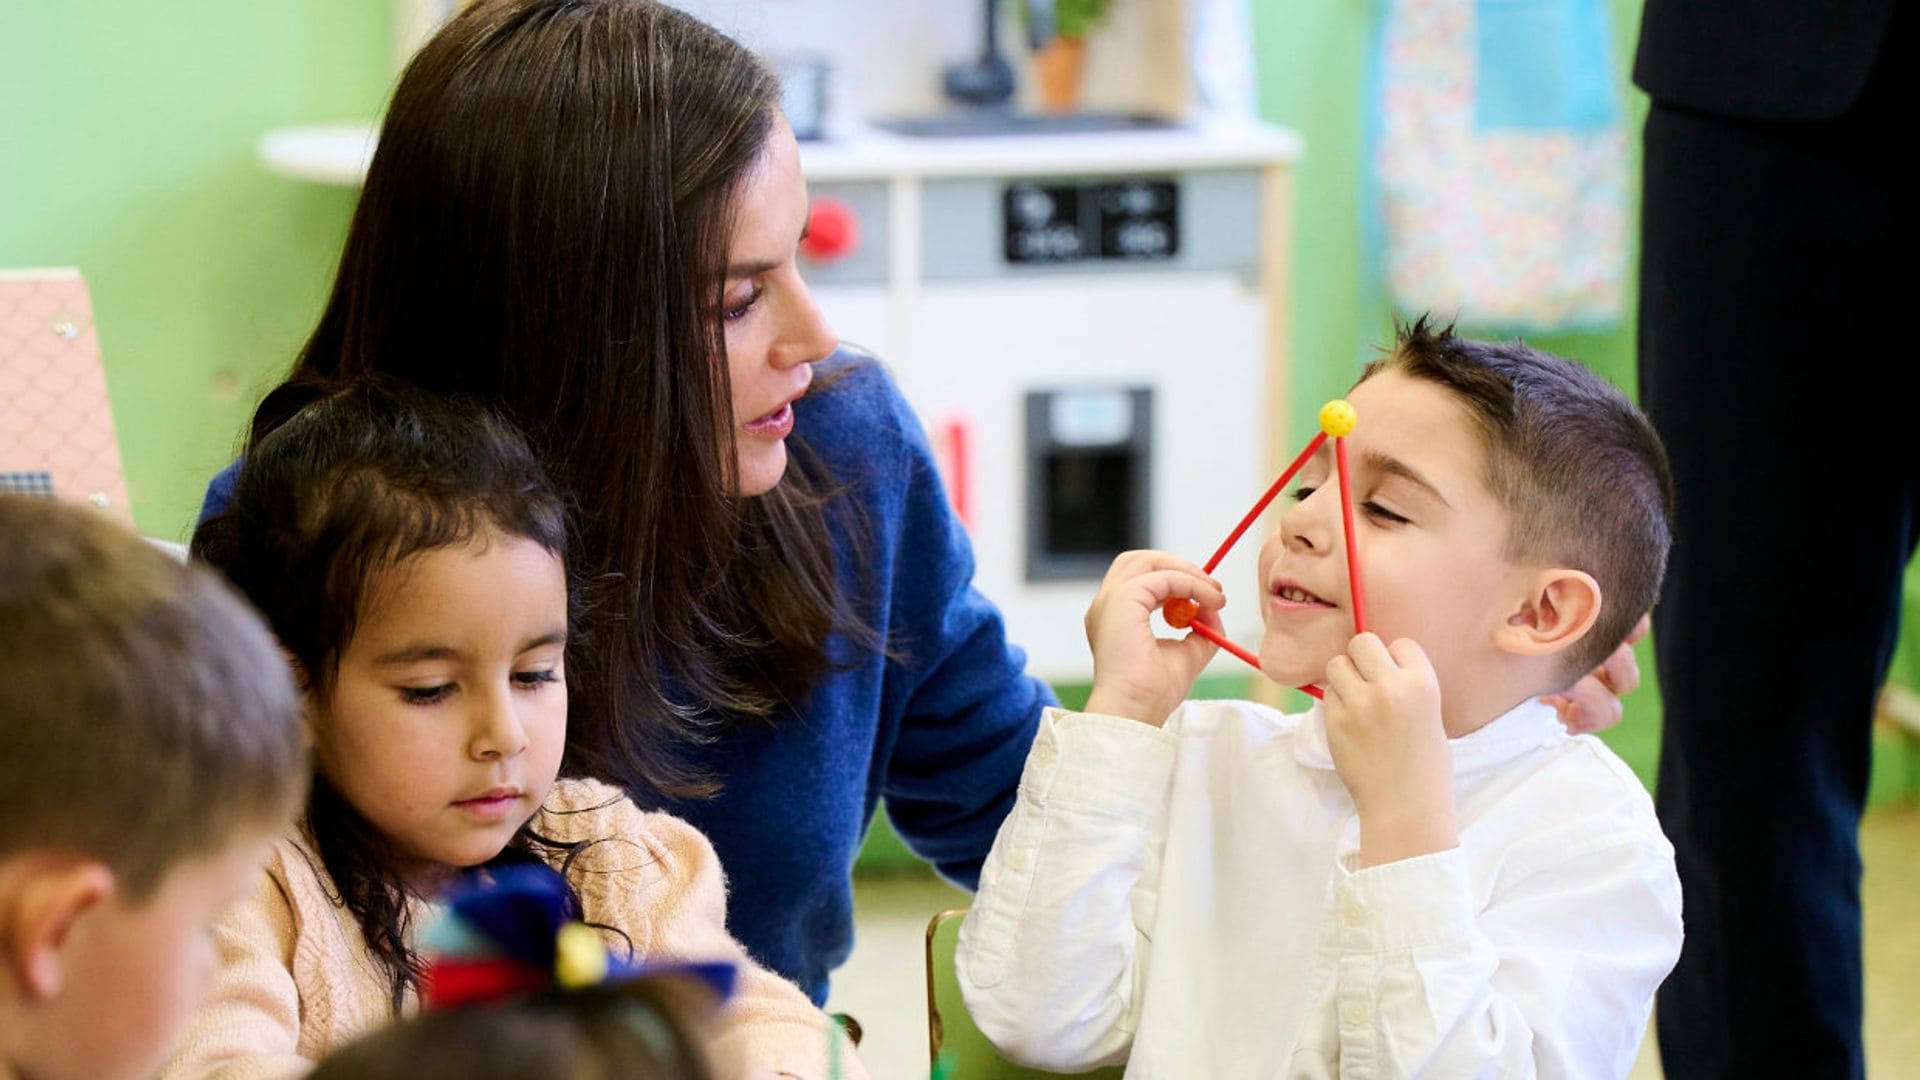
pixel 531 680
pixel 425 695
pixel 738 311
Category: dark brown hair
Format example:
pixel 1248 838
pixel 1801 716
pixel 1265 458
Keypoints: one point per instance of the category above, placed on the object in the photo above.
pixel 1576 465
pixel 148 716
pixel 351 484
pixel 545 226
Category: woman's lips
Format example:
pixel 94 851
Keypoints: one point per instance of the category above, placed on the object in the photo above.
pixel 775 425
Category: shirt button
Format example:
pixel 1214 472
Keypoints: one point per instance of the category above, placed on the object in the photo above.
pixel 1354 912
pixel 1042 756
pixel 1356 1013
pixel 1017 861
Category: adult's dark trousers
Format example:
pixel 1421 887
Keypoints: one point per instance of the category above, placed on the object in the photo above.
pixel 1779 333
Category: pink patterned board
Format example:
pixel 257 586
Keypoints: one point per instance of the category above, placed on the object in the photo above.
pixel 56 426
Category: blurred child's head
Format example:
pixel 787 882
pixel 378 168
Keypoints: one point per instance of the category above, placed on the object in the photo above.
pixel 517 986
pixel 1511 513
pixel 626 1033
pixel 150 749
pixel 408 551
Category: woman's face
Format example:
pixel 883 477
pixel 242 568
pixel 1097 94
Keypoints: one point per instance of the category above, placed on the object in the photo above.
pixel 774 332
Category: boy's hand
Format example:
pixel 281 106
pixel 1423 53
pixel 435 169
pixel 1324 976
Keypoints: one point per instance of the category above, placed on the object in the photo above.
pixel 1593 703
pixel 1384 730
pixel 1136 674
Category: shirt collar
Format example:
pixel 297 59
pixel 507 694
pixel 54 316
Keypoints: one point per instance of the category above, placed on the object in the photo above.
pixel 1525 727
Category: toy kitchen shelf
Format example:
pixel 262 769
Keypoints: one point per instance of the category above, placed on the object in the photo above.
pixel 1093 328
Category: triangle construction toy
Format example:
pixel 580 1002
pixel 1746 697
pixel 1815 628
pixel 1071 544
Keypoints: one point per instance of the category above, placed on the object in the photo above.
pixel 1337 419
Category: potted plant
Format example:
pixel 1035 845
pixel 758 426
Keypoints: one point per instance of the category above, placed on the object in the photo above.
pixel 1058 62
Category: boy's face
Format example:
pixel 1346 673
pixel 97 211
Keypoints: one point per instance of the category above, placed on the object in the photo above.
pixel 1430 538
pixel 134 972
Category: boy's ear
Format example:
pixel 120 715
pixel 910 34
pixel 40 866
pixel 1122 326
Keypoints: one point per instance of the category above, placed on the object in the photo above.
pixel 51 893
pixel 1558 608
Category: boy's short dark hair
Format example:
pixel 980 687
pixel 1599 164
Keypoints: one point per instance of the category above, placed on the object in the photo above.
pixel 148 714
pixel 1577 466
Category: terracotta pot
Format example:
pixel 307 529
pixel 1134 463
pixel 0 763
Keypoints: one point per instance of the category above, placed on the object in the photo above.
pixel 1056 69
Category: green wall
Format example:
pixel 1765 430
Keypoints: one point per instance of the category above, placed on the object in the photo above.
pixel 127 136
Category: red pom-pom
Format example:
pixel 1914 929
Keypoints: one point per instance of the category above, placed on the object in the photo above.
pixel 833 231
pixel 455 982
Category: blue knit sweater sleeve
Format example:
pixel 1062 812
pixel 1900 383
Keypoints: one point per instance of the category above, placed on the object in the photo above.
pixel 956 711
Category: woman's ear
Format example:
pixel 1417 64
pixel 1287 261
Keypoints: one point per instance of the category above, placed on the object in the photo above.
pixel 1557 609
pixel 54 893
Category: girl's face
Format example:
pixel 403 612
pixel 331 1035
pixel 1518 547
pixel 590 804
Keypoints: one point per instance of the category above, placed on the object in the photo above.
pixel 774 332
pixel 448 713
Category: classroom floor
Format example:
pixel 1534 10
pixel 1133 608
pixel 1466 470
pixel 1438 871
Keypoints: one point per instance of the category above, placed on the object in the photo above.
pixel 884 984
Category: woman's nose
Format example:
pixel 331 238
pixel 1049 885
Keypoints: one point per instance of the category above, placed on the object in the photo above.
pixel 806 336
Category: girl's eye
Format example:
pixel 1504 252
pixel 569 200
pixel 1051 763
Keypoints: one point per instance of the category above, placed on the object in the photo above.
pixel 740 310
pixel 1303 493
pixel 425 695
pixel 1380 513
pixel 532 680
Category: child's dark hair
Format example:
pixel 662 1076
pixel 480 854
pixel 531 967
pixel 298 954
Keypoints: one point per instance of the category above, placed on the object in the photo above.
pixel 148 716
pixel 1576 465
pixel 339 485
pixel 626 1033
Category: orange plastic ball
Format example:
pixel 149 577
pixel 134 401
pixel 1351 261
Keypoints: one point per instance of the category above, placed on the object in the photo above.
pixel 1180 612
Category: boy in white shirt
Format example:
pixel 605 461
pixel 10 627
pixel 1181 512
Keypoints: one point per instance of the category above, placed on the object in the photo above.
pixel 1424 875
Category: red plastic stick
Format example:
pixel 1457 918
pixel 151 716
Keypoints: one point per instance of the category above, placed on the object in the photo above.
pixel 1219 639
pixel 1214 636
pixel 1179 611
pixel 1247 522
pixel 1353 553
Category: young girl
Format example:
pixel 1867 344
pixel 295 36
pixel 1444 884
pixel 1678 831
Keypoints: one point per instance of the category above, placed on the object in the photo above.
pixel 408 552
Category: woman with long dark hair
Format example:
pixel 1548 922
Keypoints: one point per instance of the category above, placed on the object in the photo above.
pixel 586 213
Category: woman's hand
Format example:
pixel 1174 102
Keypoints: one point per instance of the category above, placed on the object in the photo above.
pixel 1136 674
pixel 1390 748
pixel 1593 703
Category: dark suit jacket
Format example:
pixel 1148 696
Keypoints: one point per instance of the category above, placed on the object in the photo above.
pixel 1760 59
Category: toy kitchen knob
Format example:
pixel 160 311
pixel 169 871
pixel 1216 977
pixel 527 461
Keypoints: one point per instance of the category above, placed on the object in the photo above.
pixel 833 231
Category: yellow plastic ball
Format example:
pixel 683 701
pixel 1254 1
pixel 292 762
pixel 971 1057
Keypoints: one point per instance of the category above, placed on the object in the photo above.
pixel 1337 418
pixel 579 957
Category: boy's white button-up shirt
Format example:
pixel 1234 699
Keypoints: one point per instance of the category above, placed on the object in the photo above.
pixel 1187 899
